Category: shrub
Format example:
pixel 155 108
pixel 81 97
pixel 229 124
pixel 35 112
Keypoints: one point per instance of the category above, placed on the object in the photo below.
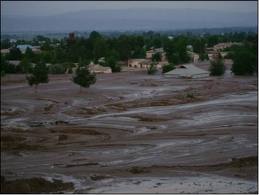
pixel 112 63
pixel 245 63
pixel 57 69
pixel 151 69
pixel 39 74
pixel 167 68
pixel 83 76
pixel 156 57
pixel 204 56
pixel 217 68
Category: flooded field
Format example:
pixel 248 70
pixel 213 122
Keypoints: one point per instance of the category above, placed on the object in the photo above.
pixel 130 132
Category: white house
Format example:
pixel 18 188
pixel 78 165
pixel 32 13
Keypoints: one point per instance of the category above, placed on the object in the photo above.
pixel 23 48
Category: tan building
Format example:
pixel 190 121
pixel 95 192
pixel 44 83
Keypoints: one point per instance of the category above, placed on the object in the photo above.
pixel 153 51
pixel 213 55
pixel 194 56
pixel 139 63
pixel 94 68
pixel 221 46
pixel 5 51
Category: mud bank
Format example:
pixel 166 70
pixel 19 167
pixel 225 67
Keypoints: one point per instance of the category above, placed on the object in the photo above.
pixel 131 132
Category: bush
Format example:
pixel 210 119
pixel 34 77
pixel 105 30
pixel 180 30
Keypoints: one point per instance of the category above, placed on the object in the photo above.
pixel 112 63
pixel 217 68
pixel 116 68
pixel 245 63
pixel 39 74
pixel 57 69
pixel 151 69
pixel 204 56
pixel 83 77
pixel 167 68
pixel 10 68
pixel 2 73
pixel 156 57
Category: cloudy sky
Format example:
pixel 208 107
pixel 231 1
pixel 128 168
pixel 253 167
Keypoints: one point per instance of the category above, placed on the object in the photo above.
pixel 44 8
pixel 125 15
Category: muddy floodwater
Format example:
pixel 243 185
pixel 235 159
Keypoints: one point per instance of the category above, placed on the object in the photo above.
pixel 130 132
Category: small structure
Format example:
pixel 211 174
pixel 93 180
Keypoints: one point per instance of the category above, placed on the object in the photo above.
pixel 101 60
pixel 194 56
pixel 170 37
pixel 139 63
pixel 23 48
pixel 151 52
pixel 214 55
pixel 14 62
pixel 5 51
pixel 97 68
pixel 187 71
pixel 36 49
pixel 189 48
pixel 71 36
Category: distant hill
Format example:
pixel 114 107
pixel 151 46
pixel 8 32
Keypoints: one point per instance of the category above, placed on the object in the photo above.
pixel 129 19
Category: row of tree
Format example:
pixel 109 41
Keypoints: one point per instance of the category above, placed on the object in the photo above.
pixel 66 52
pixel 39 74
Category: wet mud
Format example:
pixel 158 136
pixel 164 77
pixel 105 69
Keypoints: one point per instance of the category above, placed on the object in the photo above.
pixel 130 132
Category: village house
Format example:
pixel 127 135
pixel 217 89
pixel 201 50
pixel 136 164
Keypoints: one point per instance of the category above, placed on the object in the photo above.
pixel 97 68
pixel 14 62
pixel 222 46
pixel 23 48
pixel 36 49
pixel 194 56
pixel 187 71
pixel 5 51
pixel 151 52
pixel 139 63
pixel 93 68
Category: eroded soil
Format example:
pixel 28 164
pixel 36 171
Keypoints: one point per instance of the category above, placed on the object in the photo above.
pixel 130 132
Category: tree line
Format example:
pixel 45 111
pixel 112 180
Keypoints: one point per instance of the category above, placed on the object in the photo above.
pixel 63 53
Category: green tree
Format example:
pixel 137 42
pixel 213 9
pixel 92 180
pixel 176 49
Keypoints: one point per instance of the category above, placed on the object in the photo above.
pixel 25 65
pixel 168 67
pixel 15 54
pixel 3 65
pixel 156 57
pixel 217 67
pixel 39 74
pixel 83 77
pixel 5 44
pixel 245 63
pixel 111 62
pixel 100 49
pixel 203 56
pixel 57 69
pixel 29 54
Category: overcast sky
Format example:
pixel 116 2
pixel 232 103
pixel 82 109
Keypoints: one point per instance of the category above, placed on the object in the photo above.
pixel 44 8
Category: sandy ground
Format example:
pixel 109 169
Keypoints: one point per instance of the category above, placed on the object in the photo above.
pixel 131 132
